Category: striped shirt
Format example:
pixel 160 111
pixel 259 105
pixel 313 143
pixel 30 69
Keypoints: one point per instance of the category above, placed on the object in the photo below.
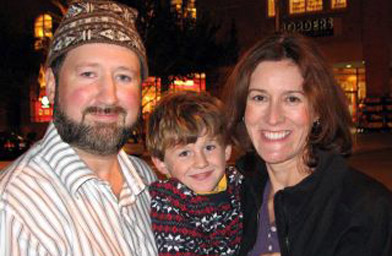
pixel 52 204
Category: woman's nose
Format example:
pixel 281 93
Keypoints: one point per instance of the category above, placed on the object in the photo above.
pixel 275 113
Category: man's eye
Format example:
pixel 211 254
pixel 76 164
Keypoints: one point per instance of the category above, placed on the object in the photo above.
pixel 88 74
pixel 124 78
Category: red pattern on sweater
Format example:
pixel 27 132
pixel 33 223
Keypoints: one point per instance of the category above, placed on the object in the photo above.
pixel 188 224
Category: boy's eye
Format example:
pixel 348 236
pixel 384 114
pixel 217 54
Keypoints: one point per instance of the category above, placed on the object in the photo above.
pixel 184 154
pixel 210 147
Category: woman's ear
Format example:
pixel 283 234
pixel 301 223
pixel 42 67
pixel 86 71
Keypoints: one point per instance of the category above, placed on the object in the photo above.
pixel 160 165
pixel 50 84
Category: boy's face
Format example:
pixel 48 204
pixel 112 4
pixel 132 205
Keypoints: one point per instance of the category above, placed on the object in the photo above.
pixel 200 165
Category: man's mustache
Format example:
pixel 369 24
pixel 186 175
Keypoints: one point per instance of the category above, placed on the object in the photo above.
pixel 105 110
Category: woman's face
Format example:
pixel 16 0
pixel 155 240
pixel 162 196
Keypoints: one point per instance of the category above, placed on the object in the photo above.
pixel 278 115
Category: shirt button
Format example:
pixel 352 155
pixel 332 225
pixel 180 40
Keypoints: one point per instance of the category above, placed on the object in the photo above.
pixel 273 229
pixel 269 247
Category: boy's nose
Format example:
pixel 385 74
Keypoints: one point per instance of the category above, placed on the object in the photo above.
pixel 200 160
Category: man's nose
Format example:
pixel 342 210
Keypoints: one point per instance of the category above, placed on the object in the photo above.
pixel 108 90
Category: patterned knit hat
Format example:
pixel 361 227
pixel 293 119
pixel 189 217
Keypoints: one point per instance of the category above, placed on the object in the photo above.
pixel 98 21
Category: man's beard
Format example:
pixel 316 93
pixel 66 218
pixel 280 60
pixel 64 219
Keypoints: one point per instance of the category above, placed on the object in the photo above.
pixel 98 138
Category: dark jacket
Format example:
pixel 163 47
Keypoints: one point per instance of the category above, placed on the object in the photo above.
pixel 334 211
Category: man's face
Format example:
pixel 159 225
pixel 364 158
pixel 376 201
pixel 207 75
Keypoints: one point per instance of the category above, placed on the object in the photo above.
pixel 98 97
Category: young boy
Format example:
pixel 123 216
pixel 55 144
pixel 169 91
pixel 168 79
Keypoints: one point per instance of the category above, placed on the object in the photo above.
pixel 196 211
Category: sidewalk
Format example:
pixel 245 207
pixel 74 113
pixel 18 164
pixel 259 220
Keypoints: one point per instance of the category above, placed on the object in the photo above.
pixel 365 142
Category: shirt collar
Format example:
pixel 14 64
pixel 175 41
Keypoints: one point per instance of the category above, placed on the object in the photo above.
pixel 64 161
pixel 131 175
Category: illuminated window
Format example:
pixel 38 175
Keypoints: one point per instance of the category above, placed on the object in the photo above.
pixel 189 10
pixel 302 6
pixel 43 26
pixel 314 5
pixel 336 4
pixel 271 8
pixel 176 2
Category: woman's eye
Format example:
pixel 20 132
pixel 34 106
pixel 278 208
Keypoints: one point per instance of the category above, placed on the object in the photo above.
pixel 258 97
pixel 293 99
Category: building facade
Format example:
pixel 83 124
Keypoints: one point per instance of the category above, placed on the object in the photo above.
pixel 354 35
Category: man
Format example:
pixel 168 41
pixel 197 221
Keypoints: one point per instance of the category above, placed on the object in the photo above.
pixel 76 192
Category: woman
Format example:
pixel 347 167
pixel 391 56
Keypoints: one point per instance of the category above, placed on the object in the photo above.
pixel 299 196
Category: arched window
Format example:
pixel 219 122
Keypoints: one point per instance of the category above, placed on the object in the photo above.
pixel 43 26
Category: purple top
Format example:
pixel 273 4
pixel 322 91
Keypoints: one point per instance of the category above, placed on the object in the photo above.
pixel 267 236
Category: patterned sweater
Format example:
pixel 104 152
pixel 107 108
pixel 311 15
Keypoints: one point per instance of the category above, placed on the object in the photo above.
pixel 188 224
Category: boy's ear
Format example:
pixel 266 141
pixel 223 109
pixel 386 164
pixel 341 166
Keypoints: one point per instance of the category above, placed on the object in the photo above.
pixel 160 165
pixel 228 152
pixel 50 84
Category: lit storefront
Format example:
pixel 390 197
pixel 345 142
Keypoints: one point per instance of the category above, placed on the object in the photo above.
pixel 41 110
pixel 351 77
pixel 152 88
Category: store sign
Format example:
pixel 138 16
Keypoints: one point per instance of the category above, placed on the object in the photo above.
pixel 41 113
pixel 311 27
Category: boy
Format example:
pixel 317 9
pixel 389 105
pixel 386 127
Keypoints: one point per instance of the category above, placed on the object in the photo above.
pixel 196 211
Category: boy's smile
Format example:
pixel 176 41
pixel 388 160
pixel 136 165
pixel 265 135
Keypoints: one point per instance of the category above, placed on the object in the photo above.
pixel 200 165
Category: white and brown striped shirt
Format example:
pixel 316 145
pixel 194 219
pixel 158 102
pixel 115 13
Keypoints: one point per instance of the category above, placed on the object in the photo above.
pixel 52 204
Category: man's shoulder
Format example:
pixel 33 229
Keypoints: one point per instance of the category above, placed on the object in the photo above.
pixel 24 184
pixel 23 167
pixel 143 169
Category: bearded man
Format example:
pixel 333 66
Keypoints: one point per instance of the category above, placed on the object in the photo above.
pixel 76 192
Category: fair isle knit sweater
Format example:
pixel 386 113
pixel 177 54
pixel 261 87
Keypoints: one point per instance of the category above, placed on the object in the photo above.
pixel 188 224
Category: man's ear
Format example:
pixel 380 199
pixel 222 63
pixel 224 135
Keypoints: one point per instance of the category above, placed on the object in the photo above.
pixel 160 165
pixel 50 84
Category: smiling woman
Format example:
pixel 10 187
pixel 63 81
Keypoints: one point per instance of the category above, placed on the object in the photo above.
pixel 299 197
pixel 278 115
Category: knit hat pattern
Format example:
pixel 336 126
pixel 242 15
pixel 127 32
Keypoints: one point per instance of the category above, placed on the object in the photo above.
pixel 98 21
